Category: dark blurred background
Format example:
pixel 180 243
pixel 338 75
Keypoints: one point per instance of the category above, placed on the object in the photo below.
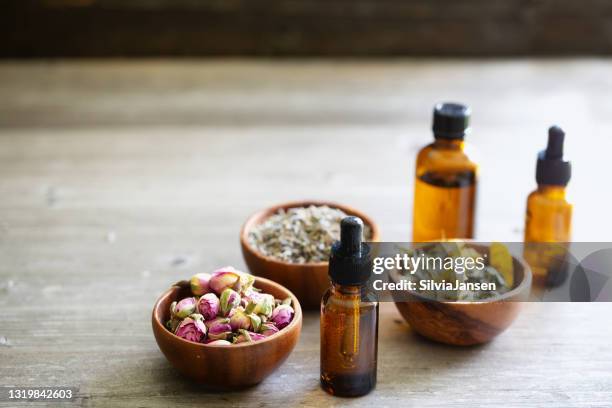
pixel 101 28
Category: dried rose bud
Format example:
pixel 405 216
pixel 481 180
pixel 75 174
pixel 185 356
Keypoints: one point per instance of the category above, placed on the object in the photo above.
pixel 230 299
pixel 255 321
pixel 282 315
pixel 244 302
pixel 196 316
pixel 239 320
pixel 208 306
pixel 191 329
pixel 260 303
pixel 217 320
pixel 185 307
pixel 246 283
pixel 219 343
pixel 224 278
pixel 199 283
pixel 219 328
pixel 246 336
pixel 267 329
pixel 172 324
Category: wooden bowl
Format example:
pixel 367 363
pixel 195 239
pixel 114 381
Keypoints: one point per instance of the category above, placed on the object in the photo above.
pixel 308 281
pixel 467 323
pixel 226 367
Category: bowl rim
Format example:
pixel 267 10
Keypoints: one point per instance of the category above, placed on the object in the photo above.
pixel 524 284
pixel 296 321
pixel 294 204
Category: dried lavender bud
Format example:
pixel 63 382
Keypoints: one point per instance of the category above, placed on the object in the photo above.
pixel 300 235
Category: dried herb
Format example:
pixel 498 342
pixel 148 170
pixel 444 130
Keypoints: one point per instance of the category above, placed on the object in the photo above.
pixel 300 235
pixel 499 258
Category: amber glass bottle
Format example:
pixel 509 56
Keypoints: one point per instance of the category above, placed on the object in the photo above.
pixel 446 180
pixel 349 318
pixel 548 220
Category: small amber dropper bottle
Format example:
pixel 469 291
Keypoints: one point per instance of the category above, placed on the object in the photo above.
pixel 446 179
pixel 349 317
pixel 549 215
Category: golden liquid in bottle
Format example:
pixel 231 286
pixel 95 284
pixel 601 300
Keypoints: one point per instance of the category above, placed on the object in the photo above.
pixel 548 221
pixel 349 333
pixel 444 193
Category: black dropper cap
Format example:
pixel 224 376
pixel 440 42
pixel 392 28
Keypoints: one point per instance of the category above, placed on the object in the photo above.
pixel 451 121
pixel 551 168
pixel 349 262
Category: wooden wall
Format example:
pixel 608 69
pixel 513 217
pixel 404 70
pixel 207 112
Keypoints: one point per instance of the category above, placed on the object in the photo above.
pixel 45 28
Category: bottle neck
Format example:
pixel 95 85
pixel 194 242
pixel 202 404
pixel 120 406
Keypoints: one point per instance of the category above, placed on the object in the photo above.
pixel 346 289
pixel 451 144
pixel 552 191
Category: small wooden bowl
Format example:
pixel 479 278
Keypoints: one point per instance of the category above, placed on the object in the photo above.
pixel 468 323
pixel 226 367
pixel 308 281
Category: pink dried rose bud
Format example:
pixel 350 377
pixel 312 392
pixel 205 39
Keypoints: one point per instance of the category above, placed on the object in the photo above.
pixel 199 283
pixel 223 278
pixel 219 328
pixel 208 306
pixel 246 336
pixel 240 320
pixel 229 300
pixel 260 303
pixel 191 329
pixel 216 321
pixel 219 343
pixel 282 315
pixel 184 307
pixel 268 328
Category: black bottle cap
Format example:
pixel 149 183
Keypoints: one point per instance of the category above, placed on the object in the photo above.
pixel 349 262
pixel 451 121
pixel 551 168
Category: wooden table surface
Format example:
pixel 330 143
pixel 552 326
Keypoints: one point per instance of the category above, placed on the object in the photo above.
pixel 119 178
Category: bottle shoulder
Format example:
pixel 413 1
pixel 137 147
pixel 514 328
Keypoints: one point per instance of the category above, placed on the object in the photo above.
pixel 434 157
pixel 548 198
pixel 334 299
